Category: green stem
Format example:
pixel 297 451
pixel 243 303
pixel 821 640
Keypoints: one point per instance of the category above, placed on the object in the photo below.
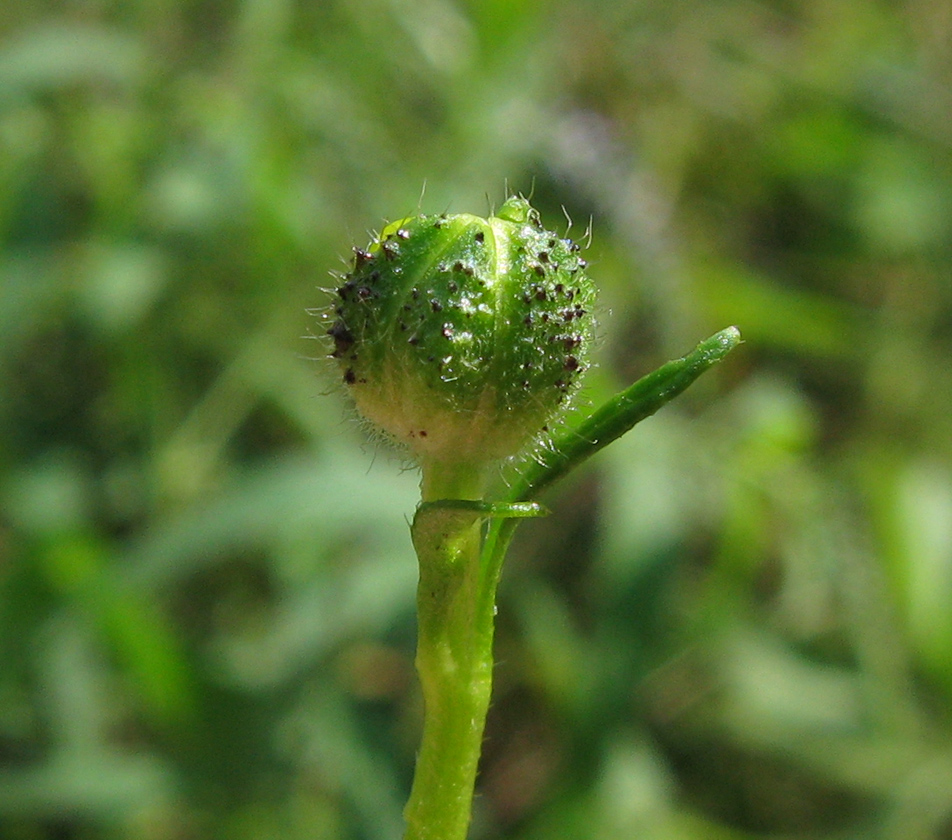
pixel 454 660
pixel 455 614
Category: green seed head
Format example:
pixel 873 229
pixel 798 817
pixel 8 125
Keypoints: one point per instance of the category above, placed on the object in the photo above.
pixel 462 336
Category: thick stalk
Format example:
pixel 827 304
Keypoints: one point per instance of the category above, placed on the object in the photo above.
pixel 454 661
pixel 454 657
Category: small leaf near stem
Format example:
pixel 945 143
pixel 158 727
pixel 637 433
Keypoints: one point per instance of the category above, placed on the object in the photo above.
pixel 620 414
pixel 605 425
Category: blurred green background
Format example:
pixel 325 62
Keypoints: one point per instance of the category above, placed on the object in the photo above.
pixel 737 624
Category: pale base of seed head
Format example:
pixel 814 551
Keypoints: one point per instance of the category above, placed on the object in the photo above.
pixel 467 435
pixel 458 444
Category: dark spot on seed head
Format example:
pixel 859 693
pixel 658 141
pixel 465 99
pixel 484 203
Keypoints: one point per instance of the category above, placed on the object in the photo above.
pixel 540 292
pixel 422 432
pixel 344 291
pixel 436 306
pixel 538 269
pixel 349 376
pixel 343 338
pixel 361 256
pixel 543 256
pixel 447 331
pixel 480 236
pixel 571 363
pixel 390 250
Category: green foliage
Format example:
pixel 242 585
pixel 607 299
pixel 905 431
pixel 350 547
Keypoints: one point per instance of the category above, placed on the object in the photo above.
pixel 734 625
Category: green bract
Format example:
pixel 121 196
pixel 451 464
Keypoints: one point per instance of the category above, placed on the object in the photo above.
pixel 462 336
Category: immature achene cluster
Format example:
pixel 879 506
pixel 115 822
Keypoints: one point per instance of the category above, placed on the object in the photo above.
pixel 462 336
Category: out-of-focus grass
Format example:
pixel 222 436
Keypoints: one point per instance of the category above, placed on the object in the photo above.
pixel 737 623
